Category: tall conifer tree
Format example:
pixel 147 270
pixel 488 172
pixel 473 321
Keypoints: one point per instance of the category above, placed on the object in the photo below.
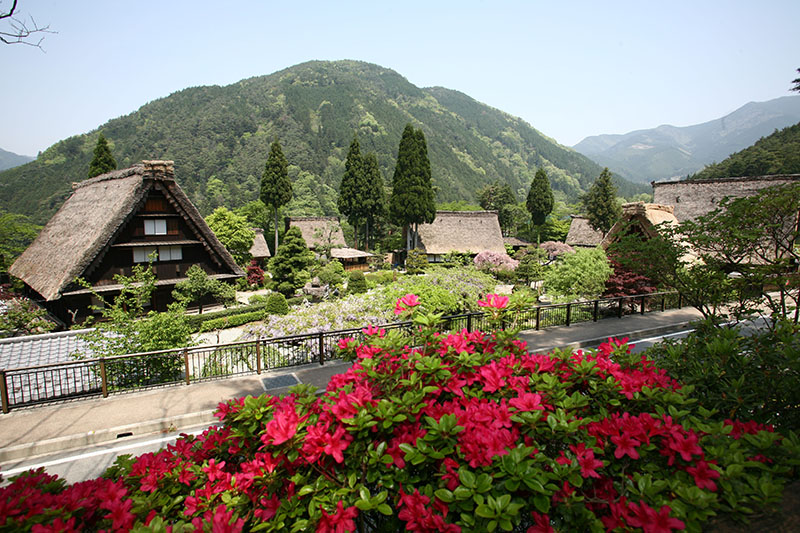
pixel 353 188
pixel 102 161
pixel 600 203
pixel 375 197
pixel 276 188
pixel 540 198
pixel 412 201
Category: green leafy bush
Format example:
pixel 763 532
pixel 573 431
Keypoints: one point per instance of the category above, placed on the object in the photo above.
pixel 332 274
pixel 381 277
pixel 231 321
pixel 356 284
pixel 276 304
pixel 195 322
pixel 579 275
pixel 416 262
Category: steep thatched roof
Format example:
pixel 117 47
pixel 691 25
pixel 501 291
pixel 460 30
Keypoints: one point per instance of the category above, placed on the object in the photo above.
pixel 319 231
pixel 348 253
pixel 581 233
pixel 85 227
pixel 516 242
pixel 259 250
pixel 462 231
pixel 646 216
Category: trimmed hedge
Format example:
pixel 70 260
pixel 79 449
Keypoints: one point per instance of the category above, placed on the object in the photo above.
pixel 231 321
pixel 196 321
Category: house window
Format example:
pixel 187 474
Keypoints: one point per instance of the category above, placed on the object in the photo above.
pixel 170 253
pixel 142 255
pixel 155 226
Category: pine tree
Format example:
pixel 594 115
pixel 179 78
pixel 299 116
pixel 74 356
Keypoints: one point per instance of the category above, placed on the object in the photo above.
pixel 276 189
pixel 540 198
pixel 352 189
pixel 290 265
pixel 102 161
pixel 375 197
pixel 600 203
pixel 412 200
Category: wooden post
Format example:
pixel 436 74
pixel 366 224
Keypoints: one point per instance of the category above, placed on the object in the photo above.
pixel 538 316
pixel 321 349
pixel 4 391
pixel 569 312
pixel 103 380
pixel 596 306
pixel 186 364
pixel 258 356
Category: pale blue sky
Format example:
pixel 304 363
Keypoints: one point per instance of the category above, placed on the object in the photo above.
pixel 570 69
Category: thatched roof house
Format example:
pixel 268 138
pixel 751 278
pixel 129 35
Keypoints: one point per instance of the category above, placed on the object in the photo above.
pixel 259 251
pixel 581 234
pixel 642 218
pixel 693 198
pixel 462 232
pixel 324 232
pixel 109 224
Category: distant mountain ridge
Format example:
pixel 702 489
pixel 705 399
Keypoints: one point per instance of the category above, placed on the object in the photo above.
pixel 11 160
pixel 669 151
pixel 219 138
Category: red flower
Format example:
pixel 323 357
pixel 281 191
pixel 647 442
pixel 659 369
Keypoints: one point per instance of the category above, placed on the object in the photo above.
pixel 651 521
pixel 339 522
pixel 495 301
pixel 703 475
pixel 625 446
pixel 283 425
pixel 406 303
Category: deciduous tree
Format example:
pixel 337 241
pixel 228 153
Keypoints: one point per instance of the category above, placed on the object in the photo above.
pixel 198 286
pixel 233 232
pixel 276 188
pixel 102 161
pixel 16 233
pixel 498 196
pixel 600 203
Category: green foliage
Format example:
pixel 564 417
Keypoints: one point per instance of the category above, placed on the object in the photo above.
pixel 412 201
pixel 102 161
pixel 444 290
pixel 374 199
pixel 381 277
pixel 582 274
pixel 600 203
pixel 499 197
pixel 778 153
pixel 416 261
pixel 231 321
pixel 198 286
pixel 290 265
pixel 276 304
pixel 331 274
pixel 540 198
pixel 356 283
pixel 532 261
pixel 749 376
pixel 276 189
pixel 16 233
pixel 196 322
pixel 256 214
pixel 233 231
pixel 353 187
pixel 23 317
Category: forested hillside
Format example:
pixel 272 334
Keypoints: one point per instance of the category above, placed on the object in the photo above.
pixel 219 138
pixel 778 153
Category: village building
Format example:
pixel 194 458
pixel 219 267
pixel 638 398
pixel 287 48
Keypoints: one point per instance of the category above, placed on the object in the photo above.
pixel 641 218
pixel 111 223
pixel 259 251
pixel 466 232
pixel 693 198
pixel 581 234
pixel 515 243
pixel 325 233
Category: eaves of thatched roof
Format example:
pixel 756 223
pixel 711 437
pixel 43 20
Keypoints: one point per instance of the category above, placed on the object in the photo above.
pixel 259 250
pixel 319 231
pixel 80 233
pixel 349 253
pixel 462 232
pixel 582 234
pixel 646 216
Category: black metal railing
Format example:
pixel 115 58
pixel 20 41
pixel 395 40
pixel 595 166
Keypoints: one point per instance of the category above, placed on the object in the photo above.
pixel 103 376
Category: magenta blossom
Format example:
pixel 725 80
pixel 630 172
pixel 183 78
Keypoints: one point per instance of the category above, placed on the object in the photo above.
pixel 495 301
pixel 406 303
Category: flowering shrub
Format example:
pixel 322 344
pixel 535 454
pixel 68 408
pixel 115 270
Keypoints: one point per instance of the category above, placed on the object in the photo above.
pixel 493 261
pixel 555 249
pixel 463 432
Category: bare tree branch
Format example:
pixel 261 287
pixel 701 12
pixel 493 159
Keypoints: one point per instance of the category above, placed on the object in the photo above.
pixel 18 31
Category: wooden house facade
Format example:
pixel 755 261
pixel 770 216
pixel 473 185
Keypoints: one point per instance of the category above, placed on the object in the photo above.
pixel 111 223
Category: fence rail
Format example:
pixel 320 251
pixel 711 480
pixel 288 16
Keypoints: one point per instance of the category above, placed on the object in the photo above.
pixel 103 376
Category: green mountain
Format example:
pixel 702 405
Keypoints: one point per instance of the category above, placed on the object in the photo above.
pixel 778 153
pixel 670 151
pixel 219 138
pixel 11 160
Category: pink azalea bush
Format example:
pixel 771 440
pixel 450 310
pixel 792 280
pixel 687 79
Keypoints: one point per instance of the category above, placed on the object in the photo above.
pixel 442 433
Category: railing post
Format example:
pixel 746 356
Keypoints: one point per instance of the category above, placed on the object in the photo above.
pixel 680 300
pixel 663 303
pixel 321 349
pixel 594 314
pixel 569 312
pixel 619 307
pixel 538 316
pixel 186 364
pixel 643 303
pixel 469 322
pixel 258 356
pixel 4 391
pixel 103 380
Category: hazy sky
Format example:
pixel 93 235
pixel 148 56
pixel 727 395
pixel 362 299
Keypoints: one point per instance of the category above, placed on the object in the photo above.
pixel 570 69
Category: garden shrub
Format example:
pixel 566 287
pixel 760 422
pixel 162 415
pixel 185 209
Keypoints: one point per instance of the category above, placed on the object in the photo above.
pixel 381 277
pixel 444 290
pixel 195 322
pixel 257 299
pixel 231 321
pixel 277 304
pixel 331 274
pixel 752 377
pixel 489 261
pixel 416 262
pixel 582 274
pixel 255 274
pixel 466 432
pixel 356 284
